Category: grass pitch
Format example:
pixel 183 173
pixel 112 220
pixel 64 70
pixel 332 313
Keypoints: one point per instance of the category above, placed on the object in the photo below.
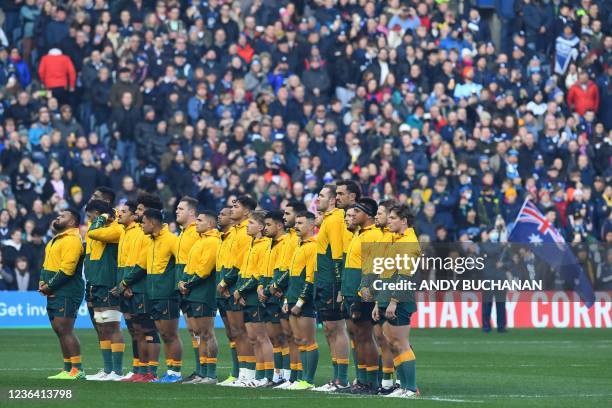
pixel 462 368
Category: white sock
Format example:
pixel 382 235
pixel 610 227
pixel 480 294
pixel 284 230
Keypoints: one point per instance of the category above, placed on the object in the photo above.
pixel 387 383
pixel 286 375
pixel 398 382
pixel 277 376
pixel 242 373
pixel 249 374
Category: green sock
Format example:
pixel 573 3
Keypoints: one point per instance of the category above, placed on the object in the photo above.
pixel 196 353
pixel 269 374
pixel 361 375
pixel 343 373
pixel 300 373
pixel 409 370
pixel 211 368
pixel 153 369
pixel 117 357
pixel 312 357
pixel 304 360
pixel 354 355
pixel 286 362
pixel 235 363
pixel 76 362
pixel 260 372
pixel 387 376
pixel 203 367
pixel 278 360
pixel 251 366
pixel 335 369
pixel 107 356
pixel 372 377
pixel 67 364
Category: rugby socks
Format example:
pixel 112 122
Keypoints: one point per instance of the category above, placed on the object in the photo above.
pixel 174 366
pixel 387 377
pixel 107 355
pixel 372 376
pixel 294 373
pixel 300 372
pixel 354 354
pixel 342 376
pixel 286 363
pixel 362 373
pixel 153 367
pixel 67 364
pixel 203 367
pixel 117 350
pixel 278 358
pixel 405 365
pixel 312 359
pixel 335 368
pixel 75 362
pixel 260 371
pixel 303 361
pixel 269 370
pixel 211 367
pixel 196 353
pixel 235 363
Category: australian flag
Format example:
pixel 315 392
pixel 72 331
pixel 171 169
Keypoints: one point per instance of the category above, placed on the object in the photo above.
pixel 532 228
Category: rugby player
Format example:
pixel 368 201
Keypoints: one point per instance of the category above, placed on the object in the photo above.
pixel 133 290
pixel 101 273
pixel 330 243
pixel 61 282
pixel 357 309
pixel 186 218
pixel 241 210
pixel 299 299
pixel 162 290
pixel 197 286
pixel 126 217
pixel 253 309
pixel 279 286
pixel 393 309
pixel 275 230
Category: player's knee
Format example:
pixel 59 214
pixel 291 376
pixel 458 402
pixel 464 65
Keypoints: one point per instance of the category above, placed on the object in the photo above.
pixel 152 337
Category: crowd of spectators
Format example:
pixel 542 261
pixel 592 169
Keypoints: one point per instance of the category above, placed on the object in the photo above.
pixel 458 111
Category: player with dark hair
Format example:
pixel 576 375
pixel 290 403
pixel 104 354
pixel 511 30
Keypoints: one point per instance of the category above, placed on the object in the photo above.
pixel 101 273
pixel 275 230
pixel 393 309
pixel 253 310
pixel 105 194
pixel 197 286
pixel 330 244
pixel 242 207
pixel 126 217
pixel 299 299
pixel 279 285
pixel 162 290
pixel 62 284
pixel 133 288
pixel 357 309
pixel 186 218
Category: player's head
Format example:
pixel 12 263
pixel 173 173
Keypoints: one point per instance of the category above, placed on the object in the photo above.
pixel 95 208
pixel 186 210
pixel 304 224
pixel 152 220
pixel 349 219
pixel 224 220
pixel 291 209
pixel 242 207
pixel 400 217
pixel 127 212
pixel 383 212
pixel 327 198
pixel 205 221
pixel 347 193
pixel 146 201
pixel 365 211
pixel 103 193
pixel 256 223
pixel 274 224
pixel 68 218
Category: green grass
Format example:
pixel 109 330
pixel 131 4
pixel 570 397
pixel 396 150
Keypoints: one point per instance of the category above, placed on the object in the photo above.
pixel 464 368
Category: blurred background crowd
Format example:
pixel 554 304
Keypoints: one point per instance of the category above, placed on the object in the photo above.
pixel 460 109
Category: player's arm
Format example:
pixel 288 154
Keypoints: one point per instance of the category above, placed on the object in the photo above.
pixel 412 248
pixel 205 266
pixel 71 249
pixel 238 252
pixel 311 264
pixel 99 231
pixel 139 270
pixel 255 269
pixel 335 236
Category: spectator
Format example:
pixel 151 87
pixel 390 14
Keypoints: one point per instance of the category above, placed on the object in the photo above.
pixel 56 72
pixel 583 96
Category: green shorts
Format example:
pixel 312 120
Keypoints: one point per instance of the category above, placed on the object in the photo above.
pixel 197 309
pixel 138 304
pixel 254 314
pixel 61 306
pixel 326 303
pixel 222 306
pixel 165 309
pixel 402 315
pixel 273 313
pixel 101 296
pixel 307 310
pixel 356 310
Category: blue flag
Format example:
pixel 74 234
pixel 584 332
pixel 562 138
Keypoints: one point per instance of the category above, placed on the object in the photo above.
pixel 532 228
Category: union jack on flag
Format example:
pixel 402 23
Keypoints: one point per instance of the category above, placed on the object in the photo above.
pixel 531 214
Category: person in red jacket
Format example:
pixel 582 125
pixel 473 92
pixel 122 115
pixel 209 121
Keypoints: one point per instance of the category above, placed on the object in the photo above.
pixel 57 74
pixel 583 95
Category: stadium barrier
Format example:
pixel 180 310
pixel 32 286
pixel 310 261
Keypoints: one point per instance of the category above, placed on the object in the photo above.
pixel 549 309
